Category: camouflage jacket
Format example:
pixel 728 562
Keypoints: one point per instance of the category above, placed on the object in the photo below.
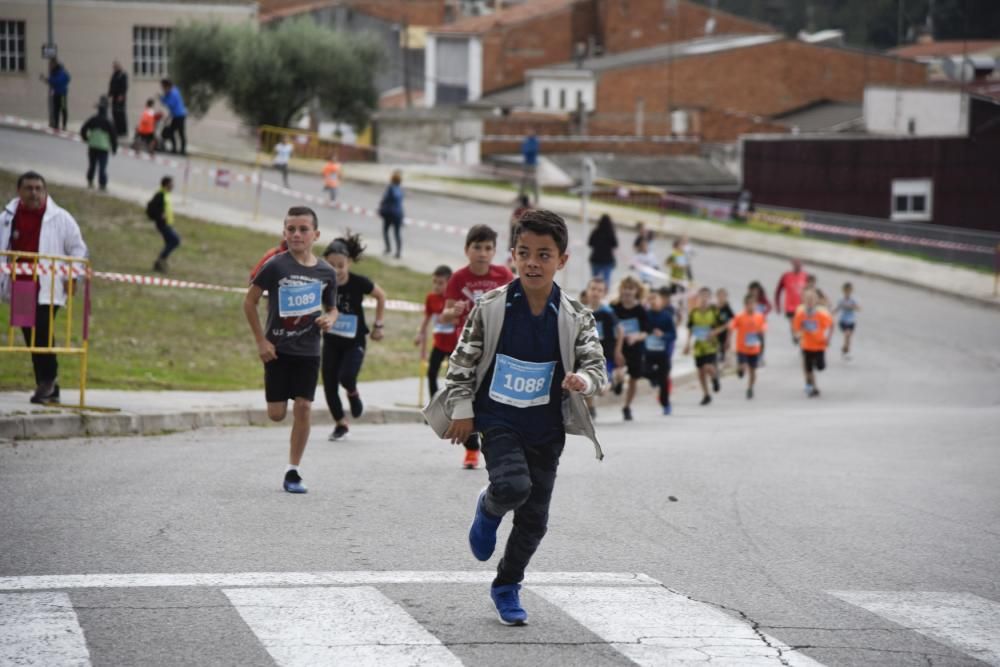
pixel 469 364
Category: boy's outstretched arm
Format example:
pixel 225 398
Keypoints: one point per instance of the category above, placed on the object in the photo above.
pixel 591 372
pixel 461 378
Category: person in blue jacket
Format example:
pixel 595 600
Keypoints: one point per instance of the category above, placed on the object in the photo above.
pixel 172 99
pixel 58 80
pixel 391 211
pixel 529 153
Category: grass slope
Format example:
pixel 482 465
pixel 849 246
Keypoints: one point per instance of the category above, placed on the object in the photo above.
pixel 162 338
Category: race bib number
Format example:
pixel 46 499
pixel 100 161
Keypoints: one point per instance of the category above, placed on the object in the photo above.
pixel 847 317
pixel 701 333
pixel 630 326
pixel 761 308
pixel 441 328
pixel 346 326
pixel 751 340
pixel 298 300
pixel 656 344
pixel 521 384
pixel 810 325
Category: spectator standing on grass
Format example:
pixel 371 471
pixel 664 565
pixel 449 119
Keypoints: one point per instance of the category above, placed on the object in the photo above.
pixel 58 80
pixel 282 154
pixel 171 98
pixel 160 210
pixel 101 139
pixel 603 241
pixel 32 222
pixel 391 211
pixel 529 154
pixel 117 91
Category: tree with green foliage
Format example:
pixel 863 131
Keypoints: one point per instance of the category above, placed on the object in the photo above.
pixel 882 24
pixel 268 76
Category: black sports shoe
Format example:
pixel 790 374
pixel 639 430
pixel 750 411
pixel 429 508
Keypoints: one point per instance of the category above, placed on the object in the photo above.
pixel 339 432
pixel 293 482
pixel 715 384
pixel 706 400
pixel 627 414
pixel 739 373
pixel 617 388
pixel 814 392
pixel 46 393
pixel 357 407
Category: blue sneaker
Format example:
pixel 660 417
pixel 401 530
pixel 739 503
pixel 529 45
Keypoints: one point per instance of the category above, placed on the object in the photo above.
pixel 293 483
pixel 508 604
pixel 667 410
pixel 483 531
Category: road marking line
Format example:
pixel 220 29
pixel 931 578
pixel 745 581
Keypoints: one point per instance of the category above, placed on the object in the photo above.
pixel 961 620
pixel 41 629
pixel 359 578
pixel 653 626
pixel 356 626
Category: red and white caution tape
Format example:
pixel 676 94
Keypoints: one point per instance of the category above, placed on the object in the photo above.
pixel 43 269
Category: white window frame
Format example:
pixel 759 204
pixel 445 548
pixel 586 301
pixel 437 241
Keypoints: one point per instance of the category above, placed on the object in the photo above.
pixel 12 46
pixel 150 51
pixel 910 189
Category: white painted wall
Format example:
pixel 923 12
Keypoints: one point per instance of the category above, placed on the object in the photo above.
pixel 554 84
pixel 475 69
pixel 430 60
pixel 937 113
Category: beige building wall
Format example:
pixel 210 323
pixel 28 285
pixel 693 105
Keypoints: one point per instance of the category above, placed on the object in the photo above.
pixel 90 34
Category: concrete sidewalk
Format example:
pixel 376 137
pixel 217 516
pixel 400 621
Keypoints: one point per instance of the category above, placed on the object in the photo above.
pixel 153 412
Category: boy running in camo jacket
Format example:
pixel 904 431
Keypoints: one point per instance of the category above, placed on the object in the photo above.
pixel 527 356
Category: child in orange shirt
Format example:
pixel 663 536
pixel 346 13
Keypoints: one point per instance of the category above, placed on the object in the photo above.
pixel 812 327
pixel 331 177
pixel 748 338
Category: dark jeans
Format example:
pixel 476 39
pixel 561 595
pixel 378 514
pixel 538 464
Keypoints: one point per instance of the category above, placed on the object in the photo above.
pixel 396 223
pixel 659 367
pixel 341 366
pixel 119 118
pixel 529 179
pixel 177 132
pixel 58 111
pixel 170 238
pixel 97 159
pixel 522 474
pixel 433 368
pixel 46 366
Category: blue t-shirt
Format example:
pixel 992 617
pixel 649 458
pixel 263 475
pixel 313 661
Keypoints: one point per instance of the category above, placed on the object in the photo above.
pixel 523 389
pixel 174 102
pixel 529 150
pixel 664 321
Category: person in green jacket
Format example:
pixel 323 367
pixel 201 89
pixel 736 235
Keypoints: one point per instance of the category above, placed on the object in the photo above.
pixel 160 210
pixel 101 138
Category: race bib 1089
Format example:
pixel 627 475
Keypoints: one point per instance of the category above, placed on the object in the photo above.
pixel 298 300
pixel 521 384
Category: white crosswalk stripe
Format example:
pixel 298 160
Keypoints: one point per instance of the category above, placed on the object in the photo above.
pixel 40 629
pixel 359 626
pixel 654 626
pixel 962 620
pixel 316 618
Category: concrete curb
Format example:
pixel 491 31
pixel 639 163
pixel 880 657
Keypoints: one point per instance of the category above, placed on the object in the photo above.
pixel 83 424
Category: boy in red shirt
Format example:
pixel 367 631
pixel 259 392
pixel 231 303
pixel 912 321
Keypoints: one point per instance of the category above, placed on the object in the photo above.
pixel 465 288
pixel 748 338
pixel 445 335
pixel 812 327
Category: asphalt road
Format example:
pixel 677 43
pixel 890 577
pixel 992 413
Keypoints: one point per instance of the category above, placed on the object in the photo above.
pixel 859 528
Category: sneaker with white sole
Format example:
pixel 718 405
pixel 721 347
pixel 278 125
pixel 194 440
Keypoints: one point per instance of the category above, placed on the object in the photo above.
pixel 507 601
pixel 339 432
pixel 293 482
pixel 483 531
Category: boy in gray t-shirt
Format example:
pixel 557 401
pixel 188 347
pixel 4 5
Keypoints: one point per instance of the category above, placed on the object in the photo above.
pixel 302 295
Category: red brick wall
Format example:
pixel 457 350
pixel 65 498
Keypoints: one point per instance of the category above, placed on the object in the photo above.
pixel 765 80
pixel 510 50
pixel 415 12
pixel 637 24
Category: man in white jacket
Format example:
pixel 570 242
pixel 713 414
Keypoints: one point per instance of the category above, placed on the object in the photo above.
pixel 32 222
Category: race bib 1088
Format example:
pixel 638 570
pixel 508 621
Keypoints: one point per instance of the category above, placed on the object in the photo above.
pixel 521 384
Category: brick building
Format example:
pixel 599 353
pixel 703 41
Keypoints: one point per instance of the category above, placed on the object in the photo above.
pixel 476 56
